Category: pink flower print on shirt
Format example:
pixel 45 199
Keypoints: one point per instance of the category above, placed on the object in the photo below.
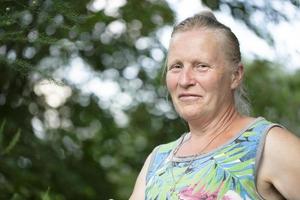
pixel 189 194
pixel 201 194
pixel 231 195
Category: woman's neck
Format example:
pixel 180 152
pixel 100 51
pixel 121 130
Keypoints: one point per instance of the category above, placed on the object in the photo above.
pixel 212 134
pixel 215 125
pixel 207 136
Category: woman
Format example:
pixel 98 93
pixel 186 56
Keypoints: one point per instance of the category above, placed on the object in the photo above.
pixel 225 155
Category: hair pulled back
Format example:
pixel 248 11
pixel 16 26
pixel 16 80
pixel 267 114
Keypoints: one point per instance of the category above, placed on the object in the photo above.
pixel 206 19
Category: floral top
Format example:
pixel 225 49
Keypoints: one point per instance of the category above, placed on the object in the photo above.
pixel 228 172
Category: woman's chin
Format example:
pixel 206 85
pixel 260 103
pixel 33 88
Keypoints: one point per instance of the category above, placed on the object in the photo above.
pixel 190 116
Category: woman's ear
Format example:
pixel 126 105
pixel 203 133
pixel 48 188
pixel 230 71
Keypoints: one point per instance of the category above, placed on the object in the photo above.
pixel 237 76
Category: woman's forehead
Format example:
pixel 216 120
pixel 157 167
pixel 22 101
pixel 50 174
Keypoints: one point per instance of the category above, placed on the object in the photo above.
pixel 193 43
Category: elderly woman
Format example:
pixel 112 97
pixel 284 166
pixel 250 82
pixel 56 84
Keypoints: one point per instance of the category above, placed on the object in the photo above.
pixel 225 154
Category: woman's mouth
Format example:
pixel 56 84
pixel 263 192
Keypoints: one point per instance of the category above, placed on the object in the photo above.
pixel 188 97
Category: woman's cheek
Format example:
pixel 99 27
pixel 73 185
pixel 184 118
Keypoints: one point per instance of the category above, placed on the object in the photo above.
pixel 171 82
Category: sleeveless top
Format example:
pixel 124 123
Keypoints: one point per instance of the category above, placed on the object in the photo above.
pixel 228 172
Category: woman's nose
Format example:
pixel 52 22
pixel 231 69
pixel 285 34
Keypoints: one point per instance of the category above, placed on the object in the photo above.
pixel 187 78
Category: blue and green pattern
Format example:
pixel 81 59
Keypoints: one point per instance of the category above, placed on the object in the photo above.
pixel 225 173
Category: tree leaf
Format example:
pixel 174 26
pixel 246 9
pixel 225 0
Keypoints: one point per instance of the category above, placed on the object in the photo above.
pixel 12 143
pixel 225 187
pixel 1 132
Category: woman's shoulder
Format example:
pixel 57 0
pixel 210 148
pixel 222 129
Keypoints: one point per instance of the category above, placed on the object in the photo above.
pixel 280 138
pixel 259 124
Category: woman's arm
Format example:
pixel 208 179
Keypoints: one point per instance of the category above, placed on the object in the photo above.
pixel 140 184
pixel 280 167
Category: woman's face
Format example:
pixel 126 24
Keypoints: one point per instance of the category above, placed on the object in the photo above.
pixel 199 78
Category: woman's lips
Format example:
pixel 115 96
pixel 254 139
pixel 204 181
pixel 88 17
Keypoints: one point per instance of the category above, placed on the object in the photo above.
pixel 188 97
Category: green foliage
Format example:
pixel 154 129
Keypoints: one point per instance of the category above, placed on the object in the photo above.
pixel 274 93
pixel 11 144
pixel 86 154
pixel 46 196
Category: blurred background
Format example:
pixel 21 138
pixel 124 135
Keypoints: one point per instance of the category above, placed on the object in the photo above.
pixel 82 100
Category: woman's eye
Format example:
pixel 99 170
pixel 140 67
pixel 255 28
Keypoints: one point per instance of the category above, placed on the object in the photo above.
pixel 175 66
pixel 202 67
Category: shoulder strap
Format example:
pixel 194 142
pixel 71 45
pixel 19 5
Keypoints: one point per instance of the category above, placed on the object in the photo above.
pixel 260 149
pixel 262 142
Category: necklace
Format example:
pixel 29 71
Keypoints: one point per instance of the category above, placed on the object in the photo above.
pixel 173 188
